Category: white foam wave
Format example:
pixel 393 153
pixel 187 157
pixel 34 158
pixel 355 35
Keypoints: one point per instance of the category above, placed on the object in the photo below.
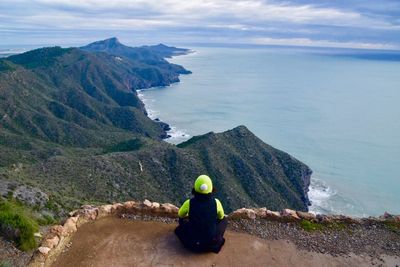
pixel 151 113
pixel 320 195
pixel 325 200
pixel 176 135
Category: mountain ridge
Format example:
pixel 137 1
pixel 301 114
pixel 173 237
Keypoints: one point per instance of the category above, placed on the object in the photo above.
pixel 74 128
pixel 114 46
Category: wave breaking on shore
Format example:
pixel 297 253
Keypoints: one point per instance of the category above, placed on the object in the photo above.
pixel 176 135
pixel 326 200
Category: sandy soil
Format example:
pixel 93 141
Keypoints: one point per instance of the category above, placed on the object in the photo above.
pixel 121 242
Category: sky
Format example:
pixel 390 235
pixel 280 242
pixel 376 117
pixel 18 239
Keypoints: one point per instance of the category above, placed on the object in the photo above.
pixel 323 23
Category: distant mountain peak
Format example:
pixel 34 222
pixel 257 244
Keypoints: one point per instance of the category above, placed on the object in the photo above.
pixel 112 41
pixel 106 44
pixel 161 45
pixel 152 53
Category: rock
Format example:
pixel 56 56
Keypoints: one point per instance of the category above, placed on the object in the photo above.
pixel 147 203
pixel 58 230
pixel 155 205
pixel 87 212
pixel 73 213
pixel 44 250
pixel 90 212
pixel 169 209
pixel 323 218
pixel 70 225
pixel 390 217
pixel 31 196
pixel 51 242
pixel 345 219
pixel 243 213
pixel 74 219
pixel 387 215
pixel 261 213
pixel 7 187
pixel 306 215
pixel 129 205
pixel 273 215
pixel 290 215
pixel 117 208
pixel 132 207
pixel 104 210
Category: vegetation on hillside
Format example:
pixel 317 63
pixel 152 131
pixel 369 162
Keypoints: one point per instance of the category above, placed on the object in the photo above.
pixel 17 224
pixel 246 172
pixel 73 127
pixel 68 98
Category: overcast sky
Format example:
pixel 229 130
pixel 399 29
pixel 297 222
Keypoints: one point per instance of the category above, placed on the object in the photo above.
pixel 331 23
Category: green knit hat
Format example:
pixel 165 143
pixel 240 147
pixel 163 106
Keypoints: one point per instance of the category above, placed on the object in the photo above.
pixel 203 184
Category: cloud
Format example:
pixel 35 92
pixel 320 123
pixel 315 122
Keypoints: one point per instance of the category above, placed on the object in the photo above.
pixel 247 12
pixel 323 43
pixel 247 19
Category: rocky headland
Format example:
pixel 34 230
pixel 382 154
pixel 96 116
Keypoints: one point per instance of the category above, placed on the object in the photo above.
pixel 74 130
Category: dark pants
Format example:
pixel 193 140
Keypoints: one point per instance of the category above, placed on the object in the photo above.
pixel 183 231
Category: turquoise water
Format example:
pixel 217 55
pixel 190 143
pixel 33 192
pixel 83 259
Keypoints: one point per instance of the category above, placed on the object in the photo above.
pixel 340 115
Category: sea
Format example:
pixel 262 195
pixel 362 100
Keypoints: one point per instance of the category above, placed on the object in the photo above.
pixel 337 110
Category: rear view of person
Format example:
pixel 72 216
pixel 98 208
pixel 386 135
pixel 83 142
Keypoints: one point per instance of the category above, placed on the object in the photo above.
pixel 202 221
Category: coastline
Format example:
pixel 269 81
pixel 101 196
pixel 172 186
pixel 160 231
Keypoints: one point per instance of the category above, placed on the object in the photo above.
pixel 176 135
pixel 173 135
pixel 325 195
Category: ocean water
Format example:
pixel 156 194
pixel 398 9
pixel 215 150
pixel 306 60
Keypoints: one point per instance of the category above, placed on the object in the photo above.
pixel 337 111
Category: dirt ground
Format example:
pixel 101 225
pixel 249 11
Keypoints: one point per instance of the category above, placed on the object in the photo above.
pixel 10 255
pixel 122 242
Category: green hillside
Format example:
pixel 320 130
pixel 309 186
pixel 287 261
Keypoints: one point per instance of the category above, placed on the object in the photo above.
pixel 73 131
pixel 69 98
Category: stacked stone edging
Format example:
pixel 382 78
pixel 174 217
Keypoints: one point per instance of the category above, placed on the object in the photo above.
pixel 60 235
pixel 288 215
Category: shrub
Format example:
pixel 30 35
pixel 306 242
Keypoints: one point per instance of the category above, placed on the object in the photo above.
pixel 16 224
pixel 125 146
pixel 393 226
pixel 310 226
pixel 46 220
pixel 5 264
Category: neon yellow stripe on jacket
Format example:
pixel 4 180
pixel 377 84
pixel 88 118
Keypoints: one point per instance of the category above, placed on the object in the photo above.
pixel 184 210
